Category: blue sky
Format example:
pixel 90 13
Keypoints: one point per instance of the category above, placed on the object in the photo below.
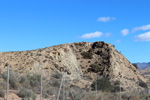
pixel 32 24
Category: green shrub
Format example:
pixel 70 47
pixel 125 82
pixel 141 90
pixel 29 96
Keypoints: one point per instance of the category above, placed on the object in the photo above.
pixel 2 93
pixel 116 87
pixel 57 75
pixel 102 84
pixel 2 84
pixel 95 68
pixel 80 50
pixel 90 50
pixel 113 46
pixel 143 84
pixel 13 79
pixel 24 81
pixel 116 83
pixel 76 93
pixel 87 55
pixel 34 79
pixel 50 91
pixel 135 65
pixel 23 93
pixel 55 82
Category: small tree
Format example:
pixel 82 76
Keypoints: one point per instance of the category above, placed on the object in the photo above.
pixel 103 84
pixel 135 65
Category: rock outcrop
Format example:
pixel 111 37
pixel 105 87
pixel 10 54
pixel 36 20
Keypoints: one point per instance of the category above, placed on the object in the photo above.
pixel 81 61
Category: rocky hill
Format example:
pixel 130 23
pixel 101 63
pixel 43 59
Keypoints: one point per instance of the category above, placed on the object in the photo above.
pixel 80 61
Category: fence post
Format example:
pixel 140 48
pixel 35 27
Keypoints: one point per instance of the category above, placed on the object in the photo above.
pixel 60 87
pixel 64 87
pixel 7 81
pixel 41 83
pixel 120 88
pixel 138 91
pixel 96 84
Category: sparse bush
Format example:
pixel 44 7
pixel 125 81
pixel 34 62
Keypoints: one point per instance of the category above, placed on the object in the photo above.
pixel 116 86
pixel 103 84
pixel 13 80
pixel 116 83
pixel 39 54
pixel 143 84
pixel 50 91
pixel 135 65
pixel 90 50
pixel 24 81
pixel 95 68
pixel 87 55
pixel 2 93
pixel 80 50
pixel 1 75
pixel 40 50
pixel 2 84
pixel 76 93
pixel 34 82
pixel 34 79
pixel 55 82
pixel 57 75
pixel 117 89
pixel 113 46
pixel 23 93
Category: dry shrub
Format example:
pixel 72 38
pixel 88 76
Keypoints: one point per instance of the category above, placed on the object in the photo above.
pixel 2 93
pixel 103 84
pixel 95 68
pixel 87 55
pixel 76 93
pixel 50 91
pixel 101 96
pixel 24 93
pixel 13 79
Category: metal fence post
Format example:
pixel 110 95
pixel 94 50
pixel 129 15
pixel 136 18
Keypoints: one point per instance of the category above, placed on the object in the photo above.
pixel 41 83
pixel 7 81
pixel 96 84
pixel 64 87
pixel 60 87
pixel 138 91
pixel 120 88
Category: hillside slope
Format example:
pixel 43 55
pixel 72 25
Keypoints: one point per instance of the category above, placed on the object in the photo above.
pixel 81 61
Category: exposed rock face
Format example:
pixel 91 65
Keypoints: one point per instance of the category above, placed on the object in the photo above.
pixel 76 60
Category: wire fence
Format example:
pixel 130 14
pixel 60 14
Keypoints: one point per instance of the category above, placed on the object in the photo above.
pixel 45 85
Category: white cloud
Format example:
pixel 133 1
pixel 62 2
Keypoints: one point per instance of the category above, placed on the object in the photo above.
pixel 107 34
pixel 118 41
pixel 125 32
pixel 105 19
pixel 92 35
pixel 143 37
pixel 113 18
pixel 144 28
